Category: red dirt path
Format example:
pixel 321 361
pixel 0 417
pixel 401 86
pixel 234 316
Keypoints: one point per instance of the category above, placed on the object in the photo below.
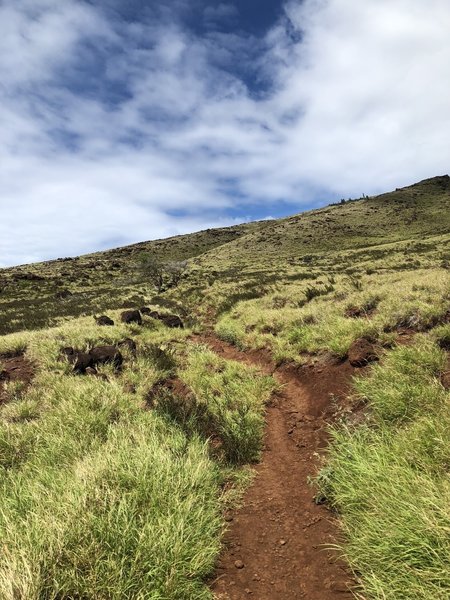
pixel 275 548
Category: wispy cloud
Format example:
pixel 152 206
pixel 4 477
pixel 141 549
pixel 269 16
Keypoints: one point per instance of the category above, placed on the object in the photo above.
pixel 111 126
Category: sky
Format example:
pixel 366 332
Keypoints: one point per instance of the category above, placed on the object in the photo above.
pixel 128 120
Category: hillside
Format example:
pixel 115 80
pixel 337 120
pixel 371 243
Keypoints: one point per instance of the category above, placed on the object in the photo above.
pixel 147 456
pixel 414 212
pixel 260 252
pixel 33 295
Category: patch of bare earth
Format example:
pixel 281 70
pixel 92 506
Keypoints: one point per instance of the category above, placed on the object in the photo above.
pixel 277 544
pixel 16 368
pixel 445 376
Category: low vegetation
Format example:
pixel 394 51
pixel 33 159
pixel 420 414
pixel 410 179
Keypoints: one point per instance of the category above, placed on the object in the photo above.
pixel 294 327
pixel 389 478
pixel 113 484
pixel 104 495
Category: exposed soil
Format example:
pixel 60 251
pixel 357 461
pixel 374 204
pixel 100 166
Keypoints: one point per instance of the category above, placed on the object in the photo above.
pixel 172 384
pixel 445 376
pixel 405 336
pixel 16 368
pixel 276 544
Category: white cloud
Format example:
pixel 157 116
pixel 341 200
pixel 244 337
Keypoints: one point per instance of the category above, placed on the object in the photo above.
pixel 357 103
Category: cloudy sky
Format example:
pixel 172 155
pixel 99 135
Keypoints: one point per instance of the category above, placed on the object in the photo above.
pixel 128 120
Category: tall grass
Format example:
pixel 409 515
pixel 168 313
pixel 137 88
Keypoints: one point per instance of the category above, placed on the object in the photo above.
pixel 232 399
pixel 101 497
pixel 389 479
pixel 417 300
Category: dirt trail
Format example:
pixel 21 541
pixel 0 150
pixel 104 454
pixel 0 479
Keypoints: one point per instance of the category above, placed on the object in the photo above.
pixel 275 545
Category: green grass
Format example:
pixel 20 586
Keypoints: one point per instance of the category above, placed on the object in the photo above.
pixel 389 479
pixel 405 229
pixel 282 321
pixel 233 402
pixel 406 383
pixel 102 497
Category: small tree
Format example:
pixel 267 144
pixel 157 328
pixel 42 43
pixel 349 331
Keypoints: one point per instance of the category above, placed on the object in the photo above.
pixel 153 269
pixel 162 275
pixel 175 271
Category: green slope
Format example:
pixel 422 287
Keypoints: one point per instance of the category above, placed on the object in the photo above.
pixel 34 295
pixel 413 212
pixel 304 288
pixel 252 255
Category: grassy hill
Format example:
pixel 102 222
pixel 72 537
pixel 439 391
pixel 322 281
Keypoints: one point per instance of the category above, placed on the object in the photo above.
pixel 404 230
pixel 100 474
pixel 252 255
pixel 34 295
pixel 414 212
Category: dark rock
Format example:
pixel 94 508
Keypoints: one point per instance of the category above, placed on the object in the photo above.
pixel 353 312
pixel 129 344
pixel 82 362
pixel 148 312
pixel 63 294
pixel 445 380
pixel 171 321
pixel 4 376
pixel 361 353
pixel 104 321
pixel 27 277
pixel 106 354
pixel 68 353
pixel 131 316
pixel 444 343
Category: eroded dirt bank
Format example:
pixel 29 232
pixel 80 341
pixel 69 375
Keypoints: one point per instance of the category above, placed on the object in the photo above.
pixel 14 369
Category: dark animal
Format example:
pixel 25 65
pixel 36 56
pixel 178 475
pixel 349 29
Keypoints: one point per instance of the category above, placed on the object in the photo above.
pixel 131 316
pixel 104 320
pixel 145 310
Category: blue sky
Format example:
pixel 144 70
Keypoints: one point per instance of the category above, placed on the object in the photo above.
pixel 122 121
